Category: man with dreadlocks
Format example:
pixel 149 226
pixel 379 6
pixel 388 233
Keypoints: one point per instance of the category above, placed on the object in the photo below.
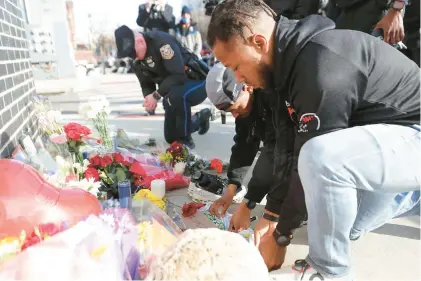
pixel 347 118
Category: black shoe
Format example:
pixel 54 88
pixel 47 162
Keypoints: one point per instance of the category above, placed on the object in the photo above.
pixel 204 119
pixel 148 113
pixel 188 142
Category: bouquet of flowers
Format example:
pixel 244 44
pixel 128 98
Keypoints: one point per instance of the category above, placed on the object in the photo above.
pixel 10 246
pixel 109 170
pixel 76 134
pixel 98 110
pixel 184 161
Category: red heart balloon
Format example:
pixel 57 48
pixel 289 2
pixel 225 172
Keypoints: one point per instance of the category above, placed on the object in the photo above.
pixel 27 200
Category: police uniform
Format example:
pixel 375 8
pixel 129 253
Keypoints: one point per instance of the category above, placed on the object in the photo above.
pixel 164 65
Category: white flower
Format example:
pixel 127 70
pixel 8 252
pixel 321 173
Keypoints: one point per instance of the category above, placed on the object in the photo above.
pixel 86 184
pixel 179 167
pixel 85 164
pixel 54 115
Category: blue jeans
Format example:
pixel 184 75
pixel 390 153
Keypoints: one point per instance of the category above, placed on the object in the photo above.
pixel 355 180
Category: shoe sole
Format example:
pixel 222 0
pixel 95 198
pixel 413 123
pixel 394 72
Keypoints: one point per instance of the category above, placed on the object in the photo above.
pixel 204 121
pixel 199 195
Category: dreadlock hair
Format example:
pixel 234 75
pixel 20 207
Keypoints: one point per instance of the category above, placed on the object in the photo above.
pixel 231 18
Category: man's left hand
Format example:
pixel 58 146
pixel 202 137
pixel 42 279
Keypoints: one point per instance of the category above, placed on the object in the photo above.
pixel 272 253
pixel 392 25
pixel 150 103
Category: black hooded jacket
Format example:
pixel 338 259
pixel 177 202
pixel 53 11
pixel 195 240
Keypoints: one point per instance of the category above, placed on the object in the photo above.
pixel 327 80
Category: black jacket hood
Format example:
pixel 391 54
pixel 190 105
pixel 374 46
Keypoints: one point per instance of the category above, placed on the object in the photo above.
pixel 290 38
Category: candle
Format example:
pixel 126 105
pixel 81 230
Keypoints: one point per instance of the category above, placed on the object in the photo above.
pixel 158 188
pixel 124 190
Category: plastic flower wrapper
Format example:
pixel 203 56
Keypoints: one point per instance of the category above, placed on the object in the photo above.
pixel 124 227
pixel 98 110
pixel 156 232
pixel 86 251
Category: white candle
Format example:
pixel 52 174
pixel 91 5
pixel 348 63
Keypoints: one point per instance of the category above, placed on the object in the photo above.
pixel 158 188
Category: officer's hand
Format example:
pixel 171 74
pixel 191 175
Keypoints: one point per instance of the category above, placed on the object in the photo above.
pixel 150 103
pixel 392 25
pixel 241 219
pixel 264 228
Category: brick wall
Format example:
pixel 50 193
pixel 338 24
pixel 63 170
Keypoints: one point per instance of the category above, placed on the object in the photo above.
pixel 16 82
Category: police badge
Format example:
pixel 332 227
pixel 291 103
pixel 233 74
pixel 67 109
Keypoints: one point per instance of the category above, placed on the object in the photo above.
pixel 166 52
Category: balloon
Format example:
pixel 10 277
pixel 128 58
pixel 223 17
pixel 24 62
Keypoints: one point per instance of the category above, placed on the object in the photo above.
pixel 27 200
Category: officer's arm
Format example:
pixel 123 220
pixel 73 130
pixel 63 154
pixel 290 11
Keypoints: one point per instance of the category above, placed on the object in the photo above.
pixel 148 86
pixel 174 64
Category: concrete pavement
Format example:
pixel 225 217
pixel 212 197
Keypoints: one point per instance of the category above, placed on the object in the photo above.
pixel 392 252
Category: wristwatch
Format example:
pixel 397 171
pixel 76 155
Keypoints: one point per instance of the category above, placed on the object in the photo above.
pixel 397 5
pixel 270 217
pixel 281 239
pixel 156 95
pixel 250 204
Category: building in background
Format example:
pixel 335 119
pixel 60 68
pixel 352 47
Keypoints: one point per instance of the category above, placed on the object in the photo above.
pixel 16 80
pixel 51 49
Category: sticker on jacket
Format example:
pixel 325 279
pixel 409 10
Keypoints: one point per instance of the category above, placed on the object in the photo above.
pixel 308 122
pixel 166 52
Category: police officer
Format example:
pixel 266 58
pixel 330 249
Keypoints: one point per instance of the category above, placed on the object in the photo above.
pixel 161 60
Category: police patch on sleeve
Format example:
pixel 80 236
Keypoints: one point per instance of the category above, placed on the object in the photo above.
pixel 166 52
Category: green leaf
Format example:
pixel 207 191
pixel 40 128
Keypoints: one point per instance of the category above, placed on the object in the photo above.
pixel 120 174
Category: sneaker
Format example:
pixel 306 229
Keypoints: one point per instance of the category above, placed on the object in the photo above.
pixel 188 141
pixel 300 271
pixel 204 119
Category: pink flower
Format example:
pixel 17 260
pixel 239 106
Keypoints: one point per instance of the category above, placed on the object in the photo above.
pixel 58 139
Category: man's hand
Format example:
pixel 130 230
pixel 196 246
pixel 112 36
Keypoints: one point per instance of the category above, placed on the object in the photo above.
pixel 392 25
pixel 264 228
pixel 241 219
pixel 150 103
pixel 220 206
pixel 272 253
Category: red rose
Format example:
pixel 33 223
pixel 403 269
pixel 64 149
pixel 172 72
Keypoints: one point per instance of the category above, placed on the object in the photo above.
pixel 92 173
pixel 75 131
pixel 127 163
pixel 138 182
pixel 118 158
pixel 95 161
pixel 190 209
pixel 73 135
pixel 106 161
pixel 137 169
pixel 216 165
pixel 49 229
pixel 30 241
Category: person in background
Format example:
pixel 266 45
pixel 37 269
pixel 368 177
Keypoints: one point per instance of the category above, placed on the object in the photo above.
pixel 161 60
pixel 368 15
pixel 253 125
pixel 348 118
pixel 187 34
pixel 156 15
pixel 411 21
pixel 294 9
